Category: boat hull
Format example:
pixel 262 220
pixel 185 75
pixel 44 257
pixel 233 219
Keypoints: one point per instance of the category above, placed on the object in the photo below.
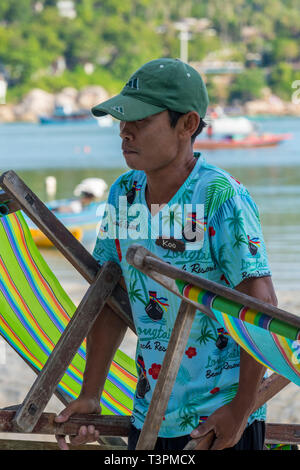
pixel 247 142
pixel 82 225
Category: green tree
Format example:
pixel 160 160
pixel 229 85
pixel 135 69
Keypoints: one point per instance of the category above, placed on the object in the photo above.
pixel 281 79
pixel 248 85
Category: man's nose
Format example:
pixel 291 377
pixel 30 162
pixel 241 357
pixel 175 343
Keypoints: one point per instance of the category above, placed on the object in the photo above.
pixel 126 130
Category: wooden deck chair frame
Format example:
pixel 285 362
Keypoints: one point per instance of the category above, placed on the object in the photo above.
pixel 105 287
pixel 30 418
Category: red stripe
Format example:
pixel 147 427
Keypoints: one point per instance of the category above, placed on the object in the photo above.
pixel 38 272
pixel 17 340
pixel 242 313
pixel 24 304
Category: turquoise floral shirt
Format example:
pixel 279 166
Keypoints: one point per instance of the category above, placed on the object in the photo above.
pixel 227 248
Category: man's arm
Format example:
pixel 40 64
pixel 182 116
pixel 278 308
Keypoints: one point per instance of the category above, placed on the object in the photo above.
pixel 102 342
pixel 230 421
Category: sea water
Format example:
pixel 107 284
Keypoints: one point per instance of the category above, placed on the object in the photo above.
pixel 72 152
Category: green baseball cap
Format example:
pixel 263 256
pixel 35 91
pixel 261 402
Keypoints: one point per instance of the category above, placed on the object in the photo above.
pixel 156 86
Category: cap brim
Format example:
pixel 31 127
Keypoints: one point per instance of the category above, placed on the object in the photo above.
pixel 126 108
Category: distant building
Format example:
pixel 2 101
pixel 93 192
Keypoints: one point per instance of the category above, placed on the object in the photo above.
pixel 3 89
pixel 217 67
pixel 67 9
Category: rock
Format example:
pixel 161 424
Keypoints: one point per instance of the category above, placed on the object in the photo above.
pixel 67 98
pixel 90 96
pixel 7 113
pixel 37 102
pixel 270 105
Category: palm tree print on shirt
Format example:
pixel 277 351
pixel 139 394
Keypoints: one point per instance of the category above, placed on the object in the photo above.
pixel 207 331
pixel 236 222
pixel 218 192
pixel 188 416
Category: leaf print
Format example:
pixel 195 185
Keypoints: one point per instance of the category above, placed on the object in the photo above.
pixel 230 393
pixel 190 403
pixel 206 335
pixel 124 183
pixel 140 278
pixel 134 293
pixel 183 376
pixel 171 215
pixel 188 416
pixel 188 192
pixel 218 192
pixel 222 261
pixel 239 240
pixel 208 331
pixel 236 221
pixel 186 422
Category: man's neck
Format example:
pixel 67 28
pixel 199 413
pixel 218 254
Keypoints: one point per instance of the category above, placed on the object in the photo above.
pixel 164 183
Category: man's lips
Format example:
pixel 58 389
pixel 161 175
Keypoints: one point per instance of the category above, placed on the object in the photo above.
pixel 128 150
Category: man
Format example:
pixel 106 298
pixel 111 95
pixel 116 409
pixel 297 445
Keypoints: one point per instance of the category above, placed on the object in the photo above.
pixel 161 111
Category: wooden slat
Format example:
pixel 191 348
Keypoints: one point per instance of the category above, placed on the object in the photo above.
pixel 7 204
pixel 106 425
pixel 162 272
pixel 63 240
pixel 282 433
pixel 71 339
pixel 167 376
pixel 14 444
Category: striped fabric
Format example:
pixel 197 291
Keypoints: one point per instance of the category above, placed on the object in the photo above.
pixel 34 310
pixel 271 342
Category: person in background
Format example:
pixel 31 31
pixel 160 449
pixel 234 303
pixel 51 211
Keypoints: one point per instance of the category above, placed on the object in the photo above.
pixel 88 191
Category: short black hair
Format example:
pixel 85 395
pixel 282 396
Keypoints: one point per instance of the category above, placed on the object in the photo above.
pixel 174 117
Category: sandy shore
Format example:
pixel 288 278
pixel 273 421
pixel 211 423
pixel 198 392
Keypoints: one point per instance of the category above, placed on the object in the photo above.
pixel 16 377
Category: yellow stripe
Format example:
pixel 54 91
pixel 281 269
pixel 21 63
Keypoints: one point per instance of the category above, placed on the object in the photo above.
pixel 193 293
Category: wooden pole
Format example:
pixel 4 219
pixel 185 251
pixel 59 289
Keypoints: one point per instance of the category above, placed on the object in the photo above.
pixel 164 273
pixel 46 424
pixel 167 376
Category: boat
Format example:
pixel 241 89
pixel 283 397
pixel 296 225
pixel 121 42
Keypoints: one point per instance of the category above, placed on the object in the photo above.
pixel 251 141
pixel 224 132
pixel 63 115
pixel 81 225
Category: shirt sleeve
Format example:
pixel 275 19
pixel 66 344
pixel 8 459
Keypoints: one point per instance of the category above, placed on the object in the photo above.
pixel 237 241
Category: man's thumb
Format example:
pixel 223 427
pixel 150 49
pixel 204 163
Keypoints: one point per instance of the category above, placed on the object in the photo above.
pixel 64 415
pixel 201 430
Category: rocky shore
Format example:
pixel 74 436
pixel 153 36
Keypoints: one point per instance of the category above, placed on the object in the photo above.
pixel 41 103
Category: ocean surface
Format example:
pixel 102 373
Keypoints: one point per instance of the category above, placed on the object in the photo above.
pixel 74 152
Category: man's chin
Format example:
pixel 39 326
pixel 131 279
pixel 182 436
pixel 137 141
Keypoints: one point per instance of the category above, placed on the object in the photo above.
pixel 133 162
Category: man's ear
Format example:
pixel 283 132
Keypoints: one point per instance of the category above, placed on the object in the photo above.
pixel 189 124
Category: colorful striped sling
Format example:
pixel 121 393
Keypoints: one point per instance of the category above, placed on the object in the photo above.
pixel 274 343
pixel 34 310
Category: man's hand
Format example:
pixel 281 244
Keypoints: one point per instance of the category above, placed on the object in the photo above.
pixel 227 423
pixel 86 433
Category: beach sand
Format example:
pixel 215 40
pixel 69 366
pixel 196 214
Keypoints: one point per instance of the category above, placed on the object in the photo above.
pixel 16 377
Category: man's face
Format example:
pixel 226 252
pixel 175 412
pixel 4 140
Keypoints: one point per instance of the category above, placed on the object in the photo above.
pixel 149 144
